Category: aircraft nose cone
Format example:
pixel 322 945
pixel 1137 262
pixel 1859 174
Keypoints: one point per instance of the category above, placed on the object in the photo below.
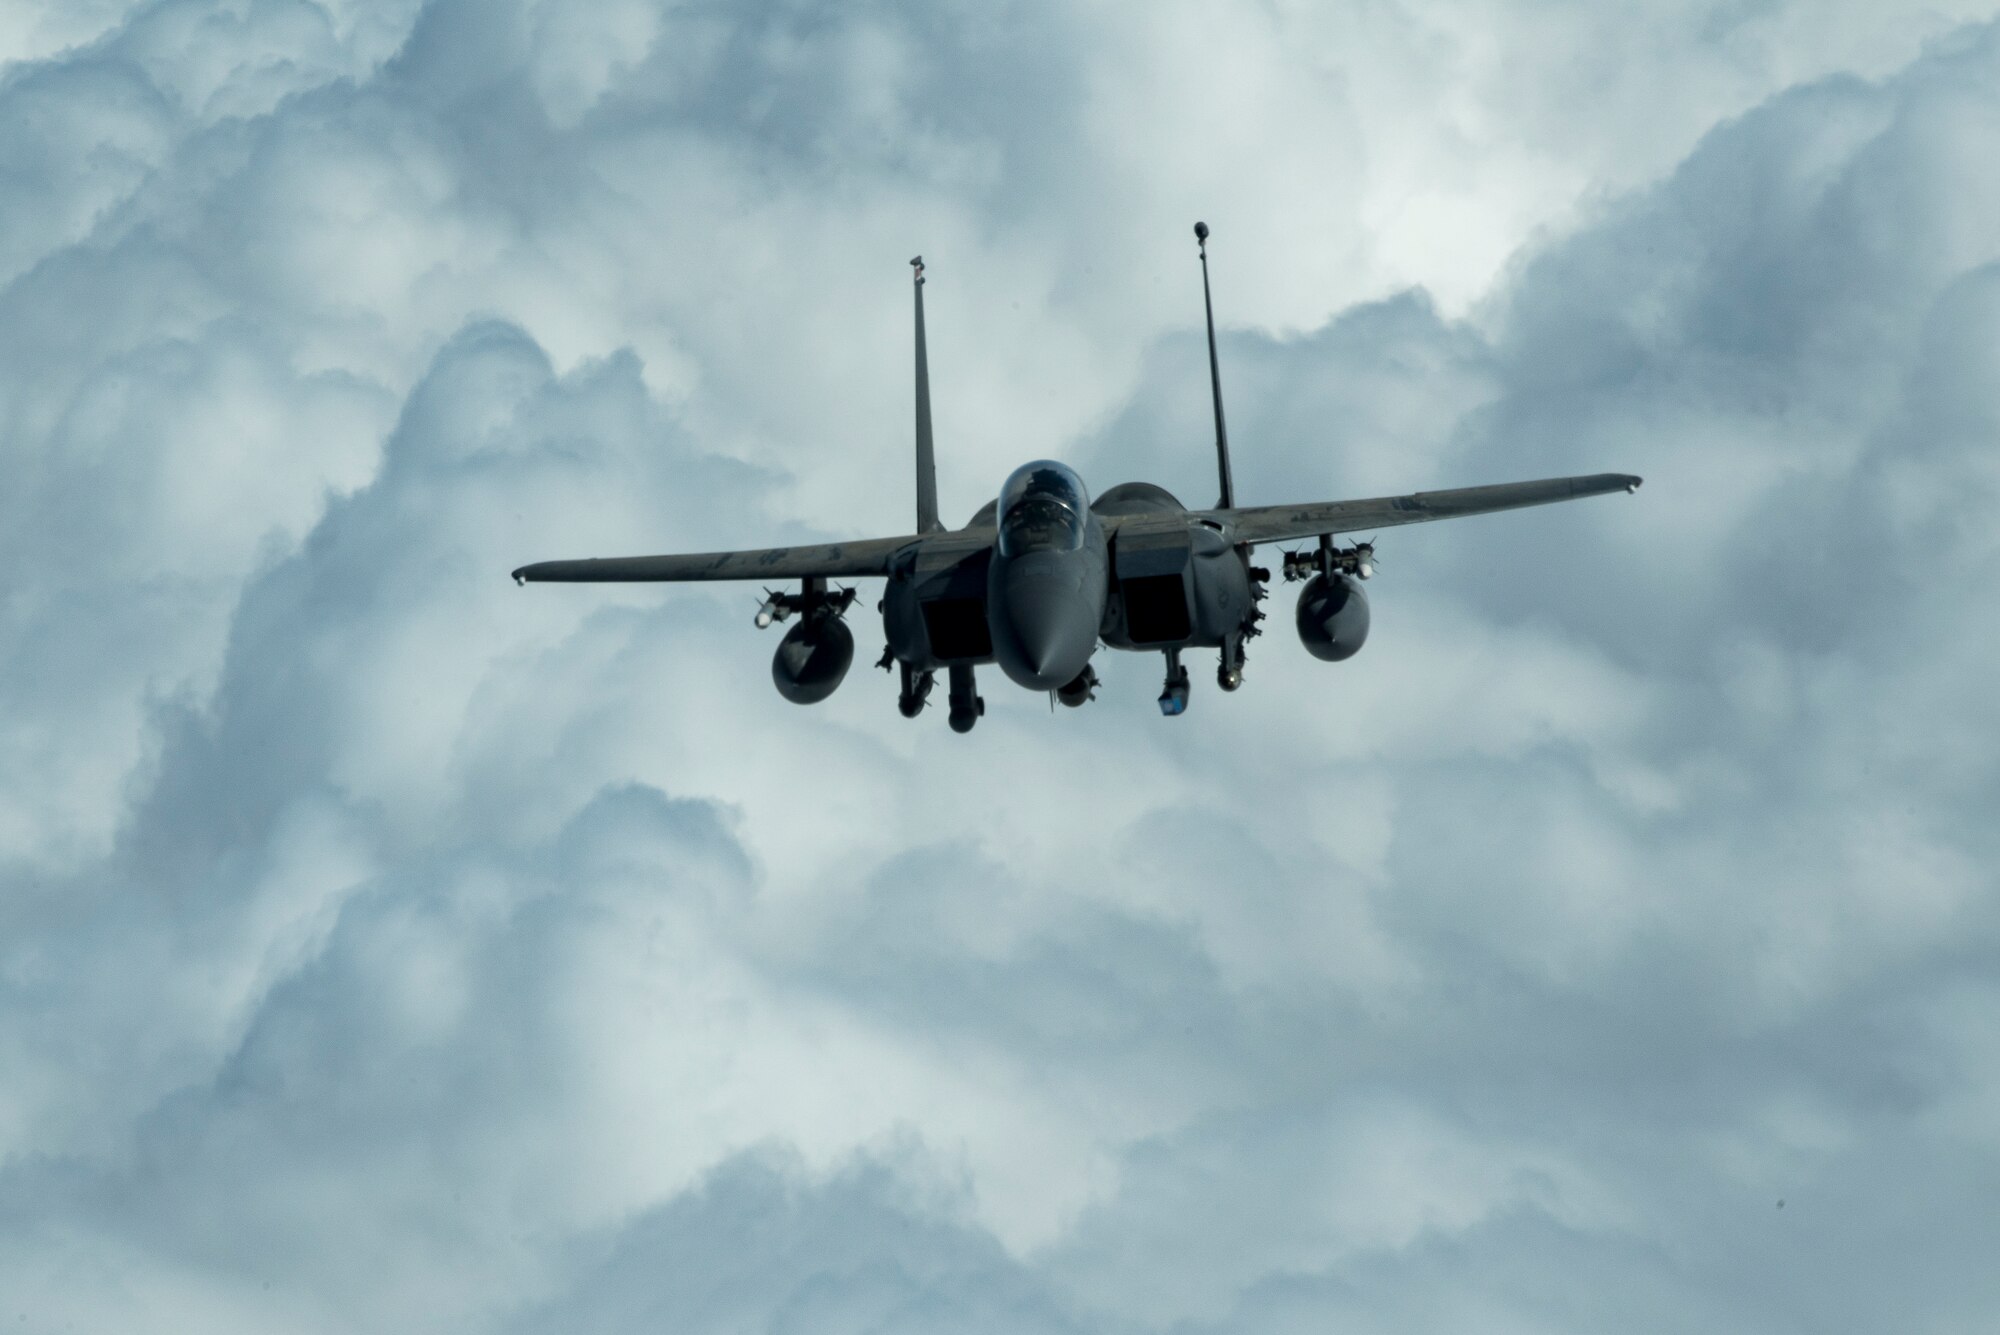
pixel 1039 630
pixel 1046 630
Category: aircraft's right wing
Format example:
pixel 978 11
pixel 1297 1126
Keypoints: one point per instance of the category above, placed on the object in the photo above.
pixel 833 560
pixel 1284 523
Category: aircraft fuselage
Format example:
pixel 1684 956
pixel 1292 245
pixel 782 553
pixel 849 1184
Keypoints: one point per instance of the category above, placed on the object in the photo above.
pixel 1043 575
pixel 1042 587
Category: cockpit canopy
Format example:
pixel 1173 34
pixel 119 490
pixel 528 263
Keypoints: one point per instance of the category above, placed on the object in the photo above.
pixel 1043 508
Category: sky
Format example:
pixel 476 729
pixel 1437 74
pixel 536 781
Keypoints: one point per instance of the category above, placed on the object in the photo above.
pixel 1612 944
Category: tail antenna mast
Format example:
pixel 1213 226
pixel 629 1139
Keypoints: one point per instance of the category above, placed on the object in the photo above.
pixel 1228 499
pixel 927 502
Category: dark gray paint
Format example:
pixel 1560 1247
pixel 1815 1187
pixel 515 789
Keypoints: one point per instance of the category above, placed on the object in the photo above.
pixel 927 502
pixel 812 659
pixel 1044 616
pixel 1332 617
pixel 1149 575
pixel 837 560
pixel 1281 523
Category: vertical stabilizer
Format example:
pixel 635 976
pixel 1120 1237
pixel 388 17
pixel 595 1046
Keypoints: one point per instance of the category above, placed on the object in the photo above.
pixel 927 503
pixel 1214 376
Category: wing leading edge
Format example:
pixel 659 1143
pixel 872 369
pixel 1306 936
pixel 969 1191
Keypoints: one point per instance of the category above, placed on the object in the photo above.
pixel 1282 523
pixel 1250 525
pixel 832 560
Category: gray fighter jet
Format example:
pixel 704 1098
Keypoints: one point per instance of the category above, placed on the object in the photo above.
pixel 1043 575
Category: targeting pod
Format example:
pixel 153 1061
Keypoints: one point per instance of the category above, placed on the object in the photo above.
pixel 814 656
pixel 1081 691
pixel 812 659
pixel 1333 617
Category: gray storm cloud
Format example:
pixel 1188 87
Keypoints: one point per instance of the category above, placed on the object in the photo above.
pixel 385 946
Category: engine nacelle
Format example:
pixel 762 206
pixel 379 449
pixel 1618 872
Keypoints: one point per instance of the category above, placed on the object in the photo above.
pixel 812 659
pixel 1333 617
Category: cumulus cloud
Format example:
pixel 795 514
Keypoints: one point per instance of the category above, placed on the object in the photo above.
pixel 385 945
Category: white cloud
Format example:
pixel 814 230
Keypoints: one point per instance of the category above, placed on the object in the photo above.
pixel 383 944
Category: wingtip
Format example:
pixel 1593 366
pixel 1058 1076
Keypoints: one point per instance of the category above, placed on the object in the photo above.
pixel 1632 484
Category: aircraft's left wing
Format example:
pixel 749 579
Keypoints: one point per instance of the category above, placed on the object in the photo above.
pixel 1284 523
pixel 872 556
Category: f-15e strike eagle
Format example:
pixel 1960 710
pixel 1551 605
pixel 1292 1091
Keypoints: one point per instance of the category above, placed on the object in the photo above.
pixel 1043 575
